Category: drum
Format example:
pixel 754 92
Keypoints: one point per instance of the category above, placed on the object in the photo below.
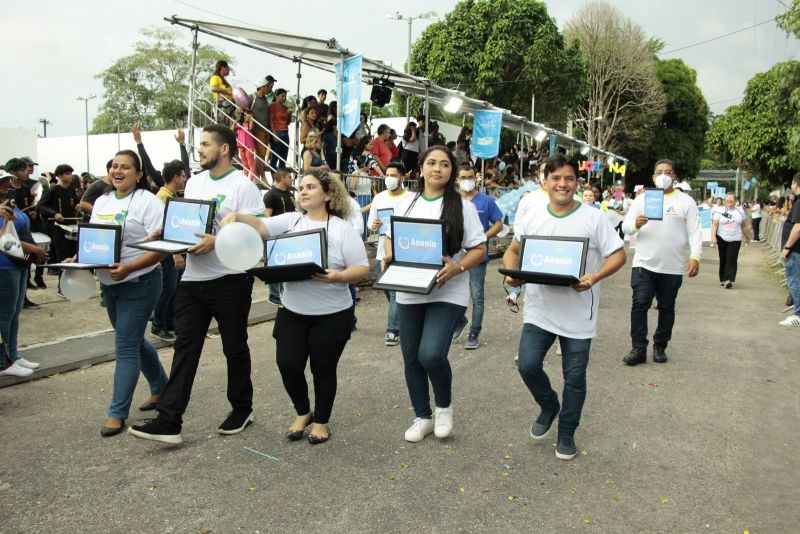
pixel 41 240
pixel 70 231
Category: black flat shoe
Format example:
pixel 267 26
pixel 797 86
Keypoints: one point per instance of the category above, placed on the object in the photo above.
pixel 316 440
pixel 108 431
pixel 297 435
pixel 148 406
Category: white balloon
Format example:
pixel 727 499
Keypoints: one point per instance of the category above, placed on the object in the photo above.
pixel 239 246
pixel 78 285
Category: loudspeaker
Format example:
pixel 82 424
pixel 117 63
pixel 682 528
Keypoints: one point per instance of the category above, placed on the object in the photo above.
pixel 381 92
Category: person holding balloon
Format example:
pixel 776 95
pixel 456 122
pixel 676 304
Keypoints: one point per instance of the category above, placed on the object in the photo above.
pixel 130 288
pixel 317 315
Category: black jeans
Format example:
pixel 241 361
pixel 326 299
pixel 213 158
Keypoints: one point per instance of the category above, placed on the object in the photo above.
pixel 226 299
pixel 321 338
pixel 646 285
pixel 728 258
pixel 756 225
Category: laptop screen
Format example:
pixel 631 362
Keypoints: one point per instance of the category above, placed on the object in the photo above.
pixel 98 245
pixel 553 256
pixel 417 242
pixel 292 249
pixel 184 219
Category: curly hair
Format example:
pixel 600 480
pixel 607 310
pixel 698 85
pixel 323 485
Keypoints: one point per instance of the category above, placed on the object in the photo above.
pixel 339 203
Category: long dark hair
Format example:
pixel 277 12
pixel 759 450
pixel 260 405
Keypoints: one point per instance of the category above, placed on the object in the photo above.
pixel 141 183
pixel 452 209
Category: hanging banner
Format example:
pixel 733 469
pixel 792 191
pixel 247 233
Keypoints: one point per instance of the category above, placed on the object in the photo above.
pixel 753 180
pixel 711 186
pixel 553 141
pixel 720 192
pixel 349 86
pixel 486 133
pixel 747 185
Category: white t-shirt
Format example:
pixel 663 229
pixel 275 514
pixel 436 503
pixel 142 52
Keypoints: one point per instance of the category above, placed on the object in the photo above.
pixel 562 310
pixel 455 290
pixel 755 211
pixel 139 214
pixel 729 223
pixel 383 200
pixel 356 220
pixel 534 201
pixel 345 249
pixel 233 192
pixel 661 245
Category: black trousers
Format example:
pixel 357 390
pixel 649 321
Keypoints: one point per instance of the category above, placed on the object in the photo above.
pixel 664 287
pixel 756 226
pixel 728 258
pixel 226 299
pixel 320 338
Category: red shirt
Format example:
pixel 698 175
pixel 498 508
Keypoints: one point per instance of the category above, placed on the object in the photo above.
pixel 279 116
pixel 381 151
pixel 394 149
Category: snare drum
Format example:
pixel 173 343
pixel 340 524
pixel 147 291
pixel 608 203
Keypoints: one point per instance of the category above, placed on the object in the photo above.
pixel 71 231
pixel 41 240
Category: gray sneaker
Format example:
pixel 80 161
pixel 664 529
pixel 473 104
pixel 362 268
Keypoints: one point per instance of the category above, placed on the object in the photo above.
pixel 566 449
pixel 542 425
pixel 472 342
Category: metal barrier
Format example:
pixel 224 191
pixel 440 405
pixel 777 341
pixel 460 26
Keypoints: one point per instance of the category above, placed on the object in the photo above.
pixel 771 229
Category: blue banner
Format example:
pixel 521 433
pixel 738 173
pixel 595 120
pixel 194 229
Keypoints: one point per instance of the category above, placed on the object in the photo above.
pixel 746 186
pixel 184 219
pixel 711 185
pixel 552 257
pixel 705 218
pixel 97 245
pixel 349 87
pixel 486 133
pixel 294 250
pixel 418 242
pixel 720 192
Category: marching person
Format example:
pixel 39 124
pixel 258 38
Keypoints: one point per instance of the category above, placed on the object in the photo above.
pixel 209 290
pixel 492 221
pixel 60 206
pixel 728 227
pixel 569 314
pixel 316 318
pixel 660 261
pixel 131 287
pixel 427 322
pixel 388 199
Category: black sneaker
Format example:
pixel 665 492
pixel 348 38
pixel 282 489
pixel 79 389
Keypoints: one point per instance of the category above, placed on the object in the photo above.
pixel 157 430
pixel 659 354
pixel 28 305
pixel 636 356
pixel 162 334
pixel 542 425
pixel 30 286
pixel 459 329
pixel 566 449
pixel 40 282
pixel 728 284
pixel 235 422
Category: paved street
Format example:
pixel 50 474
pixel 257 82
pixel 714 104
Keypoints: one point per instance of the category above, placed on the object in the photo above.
pixel 704 443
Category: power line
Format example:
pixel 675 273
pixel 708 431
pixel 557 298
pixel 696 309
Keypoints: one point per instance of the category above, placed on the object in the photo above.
pixel 724 101
pixel 187 4
pixel 717 38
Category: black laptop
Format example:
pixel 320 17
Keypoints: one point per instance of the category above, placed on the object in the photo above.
pixel 417 250
pixel 99 246
pixel 293 256
pixel 551 260
pixel 183 218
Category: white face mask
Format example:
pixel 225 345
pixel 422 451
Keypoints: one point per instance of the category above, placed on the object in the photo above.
pixel 391 182
pixel 467 185
pixel 663 181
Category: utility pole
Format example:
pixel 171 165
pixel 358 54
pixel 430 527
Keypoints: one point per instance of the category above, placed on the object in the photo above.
pixel 85 100
pixel 44 122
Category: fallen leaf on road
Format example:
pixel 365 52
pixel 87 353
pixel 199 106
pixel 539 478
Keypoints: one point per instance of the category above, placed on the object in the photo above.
pixel 461 489
pixel 512 497
pixel 664 501
pixel 586 520
pixel 151 488
pixel 506 457
pixel 609 482
pixel 391 477
pixel 403 466
pixel 573 490
pixel 653 385
pixel 505 473
pixel 584 453
pixel 251 490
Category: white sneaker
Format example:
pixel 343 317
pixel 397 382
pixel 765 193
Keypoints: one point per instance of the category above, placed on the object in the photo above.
pixel 443 419
pixel 792 320
pixel 419 429
pixel 29 365
pixel 17 370
pixel 512 298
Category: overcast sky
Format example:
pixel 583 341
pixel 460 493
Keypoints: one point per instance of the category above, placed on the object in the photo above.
pixel 54 49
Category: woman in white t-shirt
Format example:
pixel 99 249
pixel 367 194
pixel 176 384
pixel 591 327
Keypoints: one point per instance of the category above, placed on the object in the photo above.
pixel 317 315
pixel 131 287
pixel 427 322
pixel 728 226
pixel 755 216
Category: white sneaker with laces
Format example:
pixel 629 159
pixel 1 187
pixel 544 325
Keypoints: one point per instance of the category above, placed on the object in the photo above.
pixel 419 429
pixel 17 370
pixel 443 419
pixel 792 320
pixel 28 365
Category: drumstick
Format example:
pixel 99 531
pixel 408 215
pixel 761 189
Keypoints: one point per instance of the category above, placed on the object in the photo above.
pixel 66 218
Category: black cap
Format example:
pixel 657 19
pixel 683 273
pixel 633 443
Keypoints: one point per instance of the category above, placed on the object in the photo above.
pixel 16 164
pixel 270 79
pixel 29 161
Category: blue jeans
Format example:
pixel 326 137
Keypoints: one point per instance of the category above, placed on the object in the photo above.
pixel 164 313
pixel 279 149
pixel 13 283
pixel 427 331
pixel 392 322
pixel 793 279
pixel 533 345
pixel 275 292
pixel 364 200
pixel 129 305
pixel 646 285
pixel 477 280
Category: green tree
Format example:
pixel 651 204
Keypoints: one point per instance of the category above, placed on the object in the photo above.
pixel 789 87
pixel 151 85
pixel 503 51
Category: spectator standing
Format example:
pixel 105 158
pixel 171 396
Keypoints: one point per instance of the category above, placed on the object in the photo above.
pixel 790 254
pixel 755 217
pixel 260 110
pixel 380 146
pixel 277 201
pixel 279 119
pixel 221 91
pixel 410 148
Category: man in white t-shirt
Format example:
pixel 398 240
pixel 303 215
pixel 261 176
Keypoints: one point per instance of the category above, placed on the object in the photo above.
pixel 660 261
pixel 388 199
pixel 566 313
pixel 210 290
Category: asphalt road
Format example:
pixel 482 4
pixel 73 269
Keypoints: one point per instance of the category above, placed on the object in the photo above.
pixel 704 443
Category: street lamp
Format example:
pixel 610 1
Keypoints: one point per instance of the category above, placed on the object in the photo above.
pixel 398 16
pixel 86 108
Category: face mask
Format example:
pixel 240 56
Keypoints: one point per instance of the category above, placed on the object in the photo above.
pixel 467 185
pixel 663 181
pixel 391 182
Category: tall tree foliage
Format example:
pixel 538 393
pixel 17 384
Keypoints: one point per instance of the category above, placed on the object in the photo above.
pixel 151 85
pixel 504 51
pixel 789 86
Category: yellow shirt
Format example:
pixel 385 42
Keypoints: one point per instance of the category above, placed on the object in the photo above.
pixel 164 193
pixel 216 82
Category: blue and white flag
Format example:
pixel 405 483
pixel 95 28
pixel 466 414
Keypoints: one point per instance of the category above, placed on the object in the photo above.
pixel 486 133
pixel 349 87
